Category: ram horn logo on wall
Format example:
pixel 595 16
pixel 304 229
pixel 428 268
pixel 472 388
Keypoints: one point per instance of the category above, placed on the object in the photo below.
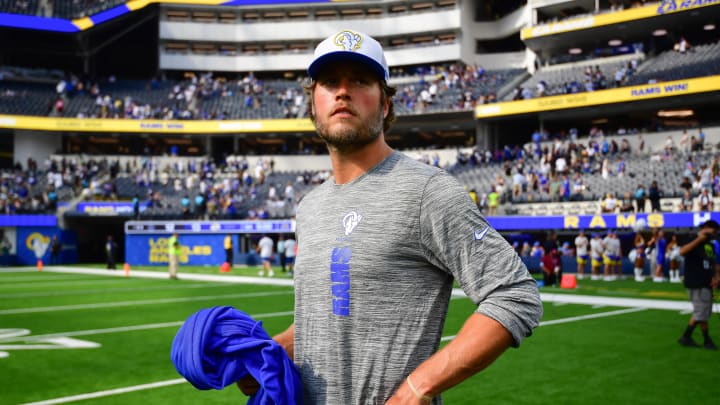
pixel 38 243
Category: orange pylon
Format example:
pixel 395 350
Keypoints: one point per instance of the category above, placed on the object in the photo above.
pixel 39 264
pixel 126 267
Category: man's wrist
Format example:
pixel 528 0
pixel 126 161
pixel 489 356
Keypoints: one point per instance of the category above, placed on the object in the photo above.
pixel 426 399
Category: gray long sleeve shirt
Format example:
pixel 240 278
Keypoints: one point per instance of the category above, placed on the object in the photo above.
pixel 374 273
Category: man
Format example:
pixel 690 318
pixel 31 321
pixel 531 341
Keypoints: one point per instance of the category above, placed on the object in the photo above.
pixel 581 254
pixel 55 248
pixel 381 243
pixel 110 251
pixel 701 277
pixel 228 246
pixel 265 248
pixel 290 246
pixel 174 250
pixel 550 265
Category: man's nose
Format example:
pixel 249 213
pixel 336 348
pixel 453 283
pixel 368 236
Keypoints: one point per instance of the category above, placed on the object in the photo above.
pixel 343 89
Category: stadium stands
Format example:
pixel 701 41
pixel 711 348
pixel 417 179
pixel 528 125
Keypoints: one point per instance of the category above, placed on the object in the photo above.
pixel 448 87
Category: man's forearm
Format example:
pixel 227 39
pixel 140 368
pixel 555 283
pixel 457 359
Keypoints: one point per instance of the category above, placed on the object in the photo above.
pixel 480 341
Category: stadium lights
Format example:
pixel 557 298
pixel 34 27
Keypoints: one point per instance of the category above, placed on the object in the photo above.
pixel 659 32
pixel 615 42
pixel 575 51
pixel 675 113
pixel 709 27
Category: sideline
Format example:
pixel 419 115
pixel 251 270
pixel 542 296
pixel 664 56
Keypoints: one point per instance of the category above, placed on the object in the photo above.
pixel 546 297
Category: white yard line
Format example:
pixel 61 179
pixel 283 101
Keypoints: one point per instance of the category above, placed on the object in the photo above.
pixel 107 393
pixel 111 290
pixel 129 328
pixel 574 319
pixel 137 302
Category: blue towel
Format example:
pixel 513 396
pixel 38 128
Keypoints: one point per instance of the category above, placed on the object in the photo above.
pixel 218 346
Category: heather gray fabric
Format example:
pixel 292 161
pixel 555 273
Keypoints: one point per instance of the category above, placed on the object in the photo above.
pixel 374 273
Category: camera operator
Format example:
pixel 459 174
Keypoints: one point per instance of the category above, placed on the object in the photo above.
pixel 701 277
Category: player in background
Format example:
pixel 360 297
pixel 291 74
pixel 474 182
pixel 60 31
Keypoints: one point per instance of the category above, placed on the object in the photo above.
pixel 290 250
pixel 596 256
pixel 581 253
pixel 266 248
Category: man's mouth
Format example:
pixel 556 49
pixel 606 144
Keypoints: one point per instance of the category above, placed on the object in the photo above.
pixel 343 111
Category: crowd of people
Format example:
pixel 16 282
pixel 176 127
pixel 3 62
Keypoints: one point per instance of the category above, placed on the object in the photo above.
pixel 38 189
pixel 454 86
pixel 600 254
pixel 562 168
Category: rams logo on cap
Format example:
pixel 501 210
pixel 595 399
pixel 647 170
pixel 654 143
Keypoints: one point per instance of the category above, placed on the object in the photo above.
pixel 348 40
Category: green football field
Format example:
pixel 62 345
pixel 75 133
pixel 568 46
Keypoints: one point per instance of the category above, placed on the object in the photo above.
pixel 94 336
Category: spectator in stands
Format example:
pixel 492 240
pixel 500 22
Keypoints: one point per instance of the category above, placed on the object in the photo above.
pixel 685 143
pixel 701 277
pixel 654 195
pixel 701 140
pixel 705 201
pixel 686 202
pixel 626 205
pixel 686 184
pixel 609 204
pixel 682 46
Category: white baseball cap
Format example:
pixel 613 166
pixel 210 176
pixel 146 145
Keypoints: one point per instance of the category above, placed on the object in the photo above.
pixel 350 45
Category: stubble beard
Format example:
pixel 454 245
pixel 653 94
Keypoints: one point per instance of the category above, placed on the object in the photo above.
pixel 348 139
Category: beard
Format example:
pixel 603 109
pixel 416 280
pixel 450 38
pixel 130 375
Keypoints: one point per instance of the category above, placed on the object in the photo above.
pixel 346 138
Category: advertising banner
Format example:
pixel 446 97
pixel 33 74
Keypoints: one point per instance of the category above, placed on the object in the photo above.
pixel 197 249
pixel 600 97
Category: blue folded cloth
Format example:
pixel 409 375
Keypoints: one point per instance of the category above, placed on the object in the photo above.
pixel 218 346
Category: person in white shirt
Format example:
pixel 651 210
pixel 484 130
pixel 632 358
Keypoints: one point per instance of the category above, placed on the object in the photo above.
pixel 290 246
pixel 265 248
pixel 611 257
pixel 581 253
pixel 596 255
